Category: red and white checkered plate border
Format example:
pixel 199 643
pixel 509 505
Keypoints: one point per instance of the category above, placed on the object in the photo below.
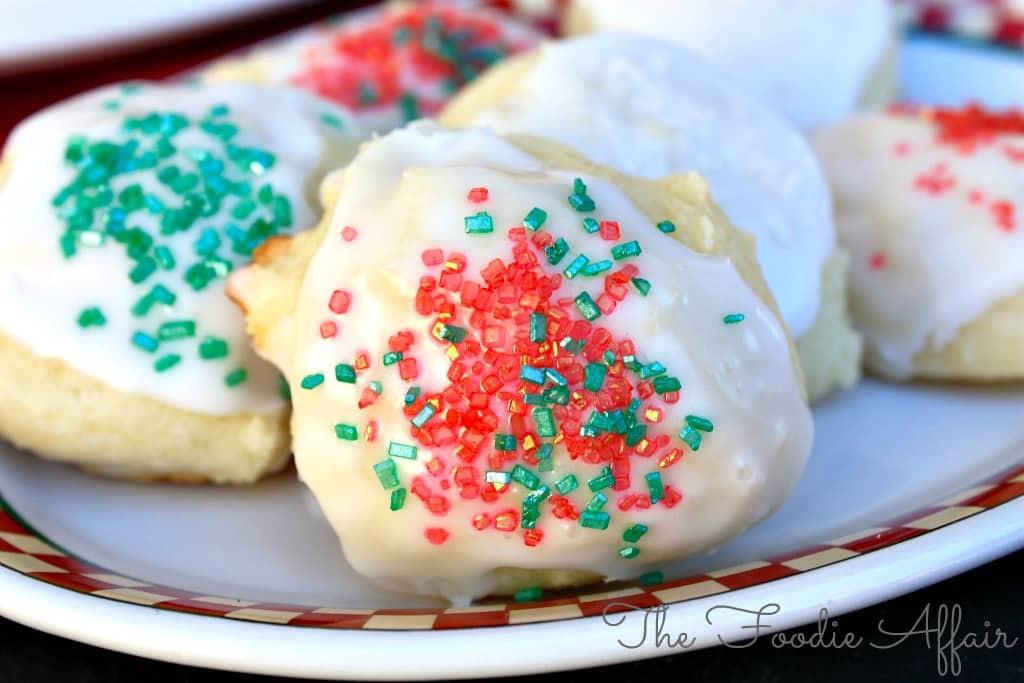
pixel 26 551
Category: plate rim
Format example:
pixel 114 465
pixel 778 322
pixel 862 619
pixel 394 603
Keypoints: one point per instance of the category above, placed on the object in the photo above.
pixel 364 654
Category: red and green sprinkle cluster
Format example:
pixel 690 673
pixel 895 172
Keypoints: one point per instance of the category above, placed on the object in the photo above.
pixel 147 176
pixel 529 371
pixel 413 58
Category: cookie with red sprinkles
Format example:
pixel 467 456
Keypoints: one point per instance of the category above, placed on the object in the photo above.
pixel 930 203
pixel 388 64
pixel 529 384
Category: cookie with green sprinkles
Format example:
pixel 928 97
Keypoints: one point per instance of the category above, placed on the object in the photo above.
pixel 135 204
pixel 500 418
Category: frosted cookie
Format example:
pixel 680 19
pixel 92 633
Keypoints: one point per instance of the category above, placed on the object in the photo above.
pixel 121 213
pixel 649 108
pixel 929 203
pixel 388 65
pixel 505 377
pixel 813 60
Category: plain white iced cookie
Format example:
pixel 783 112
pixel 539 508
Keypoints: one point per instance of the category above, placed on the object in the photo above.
pixel 505 376
pixel 930 204
pixel 813 60
pixel 121 213
pixel 649 108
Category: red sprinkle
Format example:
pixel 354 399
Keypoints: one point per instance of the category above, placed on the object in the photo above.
pixel 436 535
pixel 433 257
pixel 478 195
pixel 348 233
pixel 878 261
pixel 328 330
pixel 340 301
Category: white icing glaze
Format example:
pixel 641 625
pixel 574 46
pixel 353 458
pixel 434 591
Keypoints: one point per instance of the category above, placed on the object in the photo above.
pixel 811 59
pixel 650 109
pixel 42 293
pixel 407 193
pixel 925 262
pixel 368 32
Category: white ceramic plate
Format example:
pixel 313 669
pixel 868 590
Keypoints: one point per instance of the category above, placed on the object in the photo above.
pixel 907 485
pixel 40 30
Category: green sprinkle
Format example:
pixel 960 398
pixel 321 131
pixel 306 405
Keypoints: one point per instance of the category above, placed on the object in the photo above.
pixel 601 482
pixel 163 295
pixel 421 418
pixel 576 266
pixel 176 329
pixel 642 285
pixel 701 423
pixel 587 308
pixel 283 388
pixel 594 520
pixel 528 594
pixel 626 250
pixel 401 450
pixel 479 224
pixel 164 258
pixel 392 357
pixel 691 437
pixel 397 499
pixel 525 477
pixel 651 578
pixel 332 120
pixel 596 503
pixel 91 317
pixel 387 474
pixel 667 226
pixel 567 484
pixel 504 442
pixel 581 203
pixel 236 377
pixel 544 456
pixel 593 376
pixel 652 370
pixel 530 374
pixel 538 327
pixel 545 421
pixel 596 268
pixel 144 267
pixel 145 342
pixel 411 395
pixel 407 104
pixel 535 498
pixel 629 552
pixel 634 533
pixel 654 486
pixel 535 219
pixel 579 199
pixel 590 225
pixel 343 372
pixel 556 377
pixel 376 387
pixel 733 318
pixel 165 363
pixel 346 432
pixel 559 395
pixel 663 385
pixel 452 333
pixel 212 348
pixel 312 381
pixel 556 251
